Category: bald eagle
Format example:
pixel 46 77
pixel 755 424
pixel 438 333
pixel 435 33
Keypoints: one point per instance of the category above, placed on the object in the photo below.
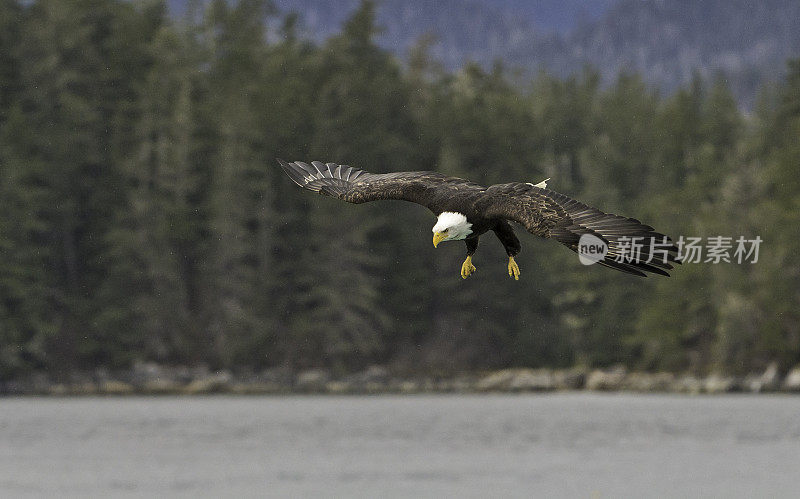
pixel 466 210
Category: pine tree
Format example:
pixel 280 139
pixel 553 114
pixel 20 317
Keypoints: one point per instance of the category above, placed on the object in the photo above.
pixel 152 286
pixel 360 119
pixel 59 143
pixel 237 262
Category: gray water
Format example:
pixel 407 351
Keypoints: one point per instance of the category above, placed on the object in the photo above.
pixel 558 445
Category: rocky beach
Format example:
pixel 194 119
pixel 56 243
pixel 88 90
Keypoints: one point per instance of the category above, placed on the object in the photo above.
pixel 155 379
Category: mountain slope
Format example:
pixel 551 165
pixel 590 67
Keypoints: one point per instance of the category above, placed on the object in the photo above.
pixel 667 41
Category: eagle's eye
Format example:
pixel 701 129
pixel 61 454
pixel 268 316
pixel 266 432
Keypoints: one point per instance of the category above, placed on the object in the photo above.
pixel 446 230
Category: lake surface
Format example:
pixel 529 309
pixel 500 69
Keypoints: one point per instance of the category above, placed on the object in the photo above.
pixel 554 445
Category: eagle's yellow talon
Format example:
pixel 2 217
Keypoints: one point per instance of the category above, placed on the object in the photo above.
pixel 513 268
pixel 467 268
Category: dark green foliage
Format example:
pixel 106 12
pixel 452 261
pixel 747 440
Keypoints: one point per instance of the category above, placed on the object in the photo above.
pixel 144 217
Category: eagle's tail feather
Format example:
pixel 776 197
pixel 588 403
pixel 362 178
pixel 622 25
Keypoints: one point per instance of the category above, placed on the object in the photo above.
pixel 329 179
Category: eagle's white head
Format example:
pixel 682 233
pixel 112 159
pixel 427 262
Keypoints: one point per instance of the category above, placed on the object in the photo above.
pixel 451 227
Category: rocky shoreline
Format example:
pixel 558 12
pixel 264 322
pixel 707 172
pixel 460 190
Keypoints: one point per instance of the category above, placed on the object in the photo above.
pixel 154 379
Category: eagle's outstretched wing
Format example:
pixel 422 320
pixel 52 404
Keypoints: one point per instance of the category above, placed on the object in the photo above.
pixel 543 212
pixel 358 186
pixel 550 214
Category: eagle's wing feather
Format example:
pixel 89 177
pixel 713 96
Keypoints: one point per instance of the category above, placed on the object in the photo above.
pixel 358 186
pixel 543 212
pixel 551 214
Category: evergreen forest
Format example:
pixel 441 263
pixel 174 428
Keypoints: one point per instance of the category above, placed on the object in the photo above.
pixel 144 218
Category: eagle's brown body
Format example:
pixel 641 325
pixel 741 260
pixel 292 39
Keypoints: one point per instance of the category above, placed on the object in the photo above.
pixel 542 212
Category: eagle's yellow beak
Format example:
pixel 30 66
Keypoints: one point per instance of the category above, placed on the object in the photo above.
pixel 438 237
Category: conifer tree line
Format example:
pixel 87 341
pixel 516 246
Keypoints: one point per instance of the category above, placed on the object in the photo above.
pixel 143 216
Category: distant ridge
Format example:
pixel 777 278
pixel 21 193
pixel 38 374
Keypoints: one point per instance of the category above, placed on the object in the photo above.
pixel 667 41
